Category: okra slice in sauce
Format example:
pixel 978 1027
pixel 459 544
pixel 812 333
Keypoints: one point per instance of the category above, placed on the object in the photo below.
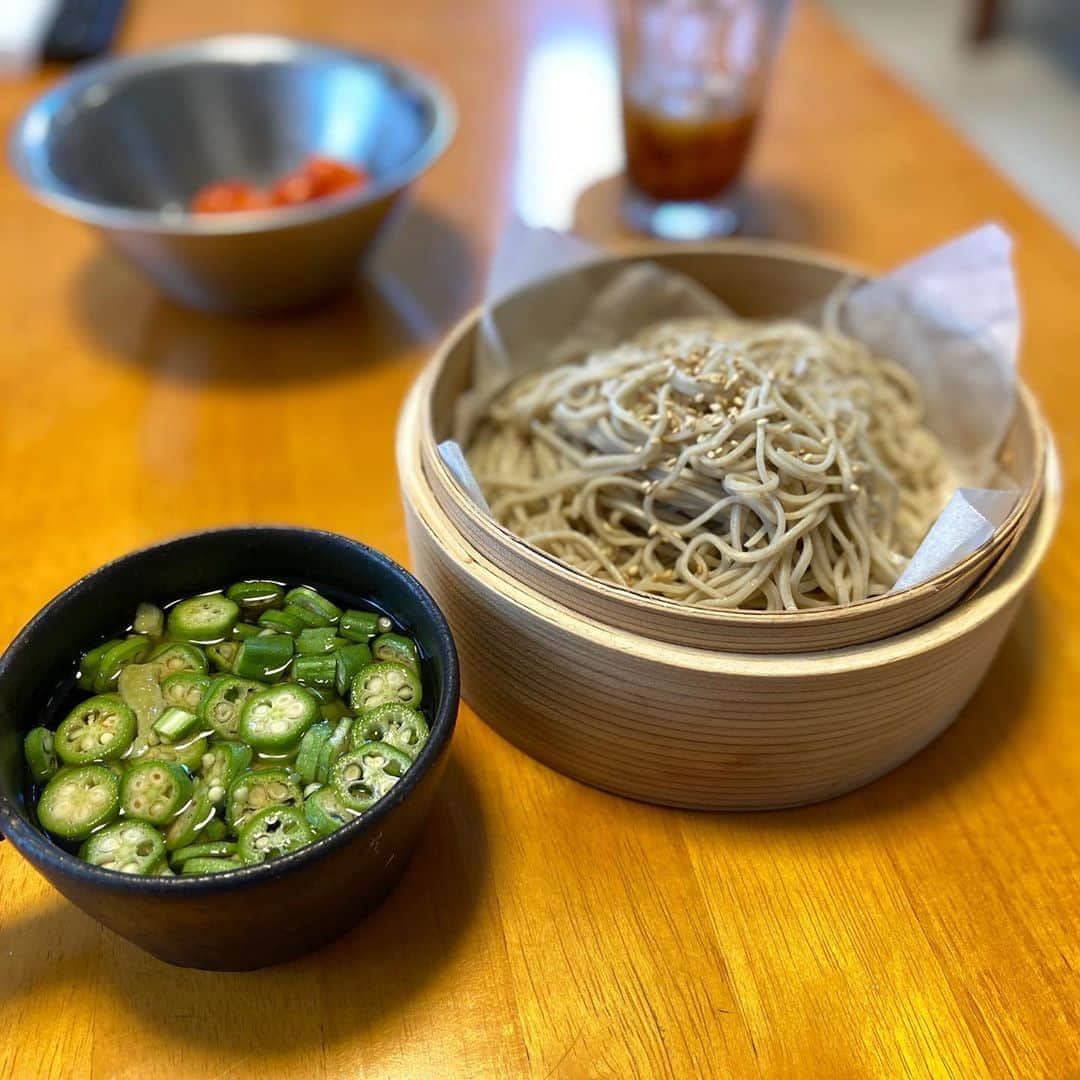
pixel 224 700
pixel 275 719
pixel 77 801
pixel 196 817
pixel 188 754
pixel 263 657
pixel 315 641
pixel 175 724
pixel 40 751
pixel 131 847
pixel 185 690
pixel 173 656
pixel 254 597
pixel 324 811
pixel 379 683
pixel 210 865
pixel 223 654
pixel 309 620
pixel 155 791
pixel 361 777
pixel 98 729
pixel 131 651
pixel 218 849
pixel 222 763
pixel 283 622
pixel 273 832
pixel 396 647
pixel 91 663
pixel 309 600
pixel 256 789
pixel 315 671
pixel 360 626
pixel 333 748
pixel 395 724
pixel 307 757
pixel 203 619
pixel 348 661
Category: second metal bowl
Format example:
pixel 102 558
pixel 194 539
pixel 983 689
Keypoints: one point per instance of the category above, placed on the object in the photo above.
pixel 124 144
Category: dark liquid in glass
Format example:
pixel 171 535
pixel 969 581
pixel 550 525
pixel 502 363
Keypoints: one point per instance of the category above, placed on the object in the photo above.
pixel 685 159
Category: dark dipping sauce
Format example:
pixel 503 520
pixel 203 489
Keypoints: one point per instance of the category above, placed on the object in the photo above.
pixel 685 159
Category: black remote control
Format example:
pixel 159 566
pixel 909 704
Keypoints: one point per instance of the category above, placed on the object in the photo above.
pixel 81 29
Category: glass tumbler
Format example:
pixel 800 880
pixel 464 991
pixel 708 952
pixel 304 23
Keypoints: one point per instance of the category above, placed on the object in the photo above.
pixel 693 75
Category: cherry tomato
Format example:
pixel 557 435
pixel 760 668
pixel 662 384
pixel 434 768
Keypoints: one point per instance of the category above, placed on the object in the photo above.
pixel 292 190
pixel 329 176
pixel 228 196
pixel 318 177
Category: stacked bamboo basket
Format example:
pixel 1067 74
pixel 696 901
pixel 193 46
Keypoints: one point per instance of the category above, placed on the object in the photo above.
pixel 702 708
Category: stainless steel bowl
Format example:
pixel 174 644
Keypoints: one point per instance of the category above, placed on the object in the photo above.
pixel 123 145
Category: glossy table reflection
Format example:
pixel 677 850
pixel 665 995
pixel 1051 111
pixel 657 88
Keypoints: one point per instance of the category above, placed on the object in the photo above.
pixel 926 925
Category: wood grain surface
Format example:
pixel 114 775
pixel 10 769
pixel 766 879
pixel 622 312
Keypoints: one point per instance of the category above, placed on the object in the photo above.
pixel 924 926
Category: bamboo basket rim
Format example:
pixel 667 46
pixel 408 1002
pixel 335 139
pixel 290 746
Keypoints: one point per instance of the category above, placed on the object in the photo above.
pixel 958 621
pixel 987 554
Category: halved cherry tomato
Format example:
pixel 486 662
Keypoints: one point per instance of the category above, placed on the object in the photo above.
pixel 329 176
pixel 227 197
pixel 292 190
pixel 316 178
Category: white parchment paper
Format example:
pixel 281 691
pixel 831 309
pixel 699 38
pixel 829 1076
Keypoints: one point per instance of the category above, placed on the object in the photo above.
pixel 951 316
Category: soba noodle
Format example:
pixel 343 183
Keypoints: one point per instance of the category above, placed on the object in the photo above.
pixel 720 463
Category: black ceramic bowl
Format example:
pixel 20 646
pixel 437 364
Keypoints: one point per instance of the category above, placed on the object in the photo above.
pixel 256 915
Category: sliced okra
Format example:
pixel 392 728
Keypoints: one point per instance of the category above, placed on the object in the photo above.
pixel 361 777
pixel 77 801
pixel 263 657
pixel 173 656
pixel 98 729
pixel 130 651
pixel 255 597
pixel 396 647
pixel 273 832
pixel 275 719
pixel 385 681
pixel 203 619
pixel 223 702
pixel 223 655
pixel 155 791
pixel 325 812
pixel 255 789
pixel 395 724
pixel 309 600
pixel 185 690
pixel 40 754
pixel 131 847
pixel 222 763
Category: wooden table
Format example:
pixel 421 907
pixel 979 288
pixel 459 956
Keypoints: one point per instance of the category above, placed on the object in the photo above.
pixel 925 926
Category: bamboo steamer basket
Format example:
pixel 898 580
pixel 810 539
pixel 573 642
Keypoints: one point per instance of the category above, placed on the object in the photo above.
pixel 757 280
pixel 699 728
